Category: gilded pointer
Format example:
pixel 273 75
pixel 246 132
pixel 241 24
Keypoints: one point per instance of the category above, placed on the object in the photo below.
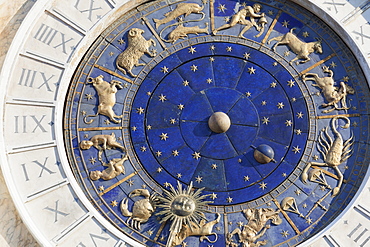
pixel 255 228
pixel 102 143
pixel 181 9
pixel 142 209
pixel 334 152
pixel 240 18
pixel 332 94
pixel 299 47
pixel 181 32
pixel 107 98
pixel 115 168
pixel 137 46
pixel 202 228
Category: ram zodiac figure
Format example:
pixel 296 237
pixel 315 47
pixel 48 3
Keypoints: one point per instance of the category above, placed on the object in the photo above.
pixel 137 46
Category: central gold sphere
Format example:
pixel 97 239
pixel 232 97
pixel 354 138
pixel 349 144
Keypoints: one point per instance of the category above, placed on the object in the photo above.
pixel 219 122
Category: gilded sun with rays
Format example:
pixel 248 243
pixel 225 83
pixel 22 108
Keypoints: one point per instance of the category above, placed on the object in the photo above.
pixel 182 207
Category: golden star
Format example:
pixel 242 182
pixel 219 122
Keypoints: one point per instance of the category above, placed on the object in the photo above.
pixel 194 68
pixel 166 184
pixel 211 59
pixel 111 53
pixel 213 196
pixel 263 185
pixel 297 192
pixel 298 131
pixel 140 110
pixel 185 83
pixel 172 121
pixel 148 127
pixel 212 47
pixel 296 149
pixel 333 64
pixel 229 199
pixel 164 69
pixel 192 50
pixel 107 122
pixel 305 34
pixel 209 80
pixel 114 203
pixel 285 23
pixel 309 220
pixel 89 96
pixel 288 123
pixel 179 175
pixel 273 84
pixel 221 8
pixel 214 166
pixel 345 79
pixel 300 115
pixel 240 224
pixel 121 41
pixel 159 169
pixel 284 233
pixel 162 98
pixel 158 153
pixel 280 105
pixel 180 106
pixel 265 120
pixel 229 49
pixel 246 178
pixel 286 53
pixel 251 70
pixel 143 149
pixel 133 128
pixel 248 94
pixel 163 136
pixel 263 102
pixel 175 153
pixel 246 55
pixel 199 179
pixel 284 175
pixel 196 155
pixel 92 160
pixel 291 83
pixel 130 182
pixel 304 205
pixel 101 188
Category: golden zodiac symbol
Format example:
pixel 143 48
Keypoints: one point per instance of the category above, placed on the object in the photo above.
pixel 334 152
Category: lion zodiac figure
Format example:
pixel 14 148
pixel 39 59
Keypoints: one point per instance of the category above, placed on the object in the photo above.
pixel 332 94
pixel 137 46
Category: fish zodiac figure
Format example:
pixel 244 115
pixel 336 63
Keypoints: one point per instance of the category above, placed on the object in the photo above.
pixel 181 9
pixel 332 94
pixel 255 228
pixel 334 152
pixel 142 209
pixel 299 47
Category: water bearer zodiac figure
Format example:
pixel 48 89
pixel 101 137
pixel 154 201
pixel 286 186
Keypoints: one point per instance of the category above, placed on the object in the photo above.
pixel 240 17
pixel 334 152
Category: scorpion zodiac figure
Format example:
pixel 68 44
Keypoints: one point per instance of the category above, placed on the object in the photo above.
pixel 334 152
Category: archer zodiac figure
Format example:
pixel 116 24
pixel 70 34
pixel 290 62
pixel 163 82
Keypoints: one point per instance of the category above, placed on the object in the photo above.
pixel 334 152
pixel 240 17
pixel 102 143
pixel 255 228
pixel 332 94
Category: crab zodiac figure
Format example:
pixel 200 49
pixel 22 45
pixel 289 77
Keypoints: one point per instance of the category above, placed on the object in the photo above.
pixel 332 94
pixel 334 152
pixel 102 142
pixel 142 209
pixel 115 168
pixel 240 17
pixel 255 228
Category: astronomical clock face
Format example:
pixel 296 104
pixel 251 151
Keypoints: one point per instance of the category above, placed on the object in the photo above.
pixel 216 123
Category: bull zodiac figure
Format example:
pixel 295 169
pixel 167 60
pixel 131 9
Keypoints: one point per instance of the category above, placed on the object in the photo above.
pixel 334 152
pixel 256 227
pixel 107 98
pixel 300 48
pixel 137 46
pixel 332 94
pixel 202 229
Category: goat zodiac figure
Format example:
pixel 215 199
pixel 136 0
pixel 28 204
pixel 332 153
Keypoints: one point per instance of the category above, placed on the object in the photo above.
pixel 331 93
pixel 334 152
